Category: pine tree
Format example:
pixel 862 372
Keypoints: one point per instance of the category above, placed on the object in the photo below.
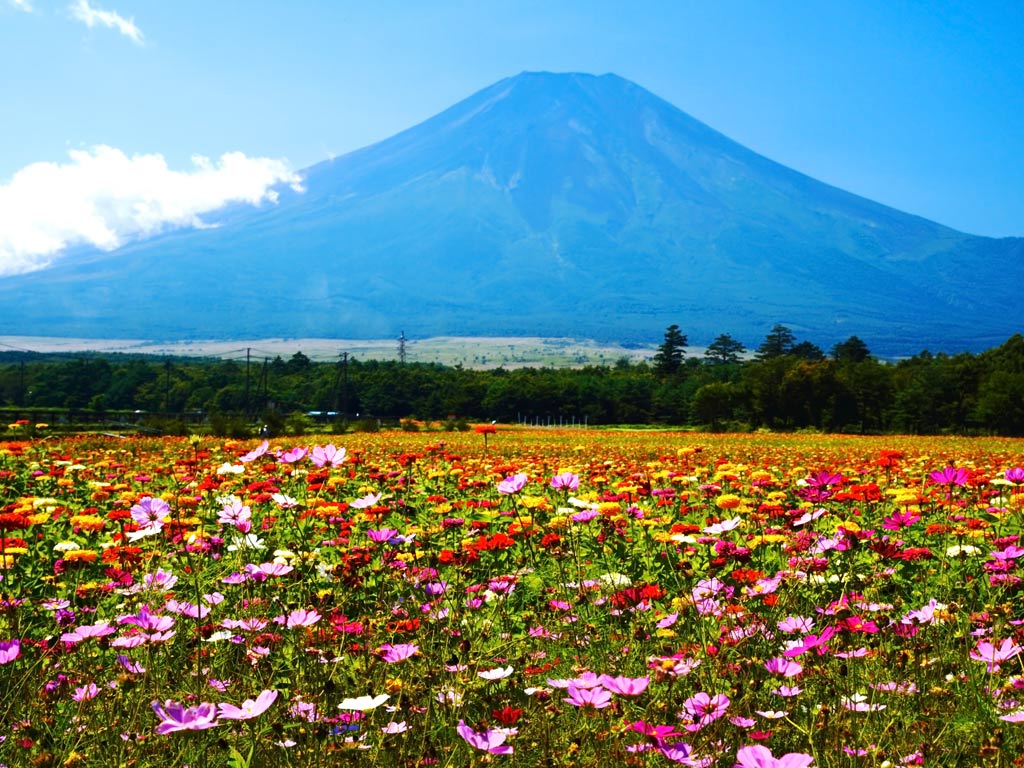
pixel 669 357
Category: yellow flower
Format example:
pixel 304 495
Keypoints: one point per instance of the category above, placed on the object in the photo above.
pixel 89 523
pixel 80 556
pixel 727 501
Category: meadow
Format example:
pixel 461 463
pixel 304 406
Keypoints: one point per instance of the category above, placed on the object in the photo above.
pixel 529 597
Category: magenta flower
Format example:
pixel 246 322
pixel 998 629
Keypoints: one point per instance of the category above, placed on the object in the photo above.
pixel 292 455
pixel 512 483
pixel 491 741
pixel 992 655
pixel 565 481
pixel 327 455
pixel 9 650
pixel 1014 475
pixel 597 698
pixel 703 708
pixel 811 642
pixel 949 476
pixel 381 535
pixel 398 652
pixel 175 717
pixel 761 757
pixel 898 520
pixel 249 708
pixel 147 620
pixel 783 667
pixel 626 686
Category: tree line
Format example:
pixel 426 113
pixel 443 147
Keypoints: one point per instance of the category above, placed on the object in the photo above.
pixel 784 384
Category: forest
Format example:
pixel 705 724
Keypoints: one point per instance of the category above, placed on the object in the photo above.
pixel 782 385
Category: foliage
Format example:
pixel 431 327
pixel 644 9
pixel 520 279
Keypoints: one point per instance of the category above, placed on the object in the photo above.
pixel 788 385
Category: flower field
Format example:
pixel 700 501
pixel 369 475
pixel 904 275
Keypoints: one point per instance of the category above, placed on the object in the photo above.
pixel 529 597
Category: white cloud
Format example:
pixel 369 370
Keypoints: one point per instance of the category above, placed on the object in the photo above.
pixel 104 198
pixel 22 5
pixel 90 16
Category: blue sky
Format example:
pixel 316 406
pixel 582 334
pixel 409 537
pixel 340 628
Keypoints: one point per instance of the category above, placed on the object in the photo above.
pixel 918 104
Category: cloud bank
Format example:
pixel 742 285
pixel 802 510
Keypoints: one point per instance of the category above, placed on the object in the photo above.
pixel 104 198
pixel 91 17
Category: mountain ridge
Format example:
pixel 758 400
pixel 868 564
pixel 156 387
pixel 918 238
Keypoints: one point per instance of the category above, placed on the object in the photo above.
pixel 546 204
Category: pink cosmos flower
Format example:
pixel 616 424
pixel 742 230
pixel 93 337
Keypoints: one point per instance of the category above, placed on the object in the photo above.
pixel 392 654
pixel 704 709
pixel 234 512
pixel 512 483
pixel 175 717
pixel 381 535
pixel 85 692
pixel 992 655
pixel 597 698
pixel 722 527
pixel 812 642
pixel 794 624
pixel 147 620
pixel 299 618
pixel 327 455
pixel 900 519
pixel 369 500
pixel 255 453
pixel 149 515
pixel 626 686
pixel 949 476
pixel 9 650
pixel 491 741
pixel 131 666
pixel 499 673
pixel 565 481
pixel 1014 476
pixel 97 630
pixel 292 455
pixel 250 708
pixel 783 667
pixel 761 757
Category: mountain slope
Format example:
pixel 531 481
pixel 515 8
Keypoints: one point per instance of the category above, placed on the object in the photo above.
pixel 559 205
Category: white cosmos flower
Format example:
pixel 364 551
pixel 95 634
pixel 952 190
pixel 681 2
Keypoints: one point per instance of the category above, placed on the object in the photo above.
pixel 364 703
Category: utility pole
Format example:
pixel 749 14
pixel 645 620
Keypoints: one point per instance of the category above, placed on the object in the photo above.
pixel 248 352
pixel 341 386
pixel 401 348
pixel 167 385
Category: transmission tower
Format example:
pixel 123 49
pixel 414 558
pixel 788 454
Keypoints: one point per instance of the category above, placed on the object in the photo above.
pixel 401 348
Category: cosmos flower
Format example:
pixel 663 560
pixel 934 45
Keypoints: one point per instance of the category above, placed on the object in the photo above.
pixel 992 654
pixel 327 455
pixel 363 703
pixel 250 708
pixel 176 717
pixel 9 650
pixel 512 483
pixel 565 481
pixel 758 756
pixel 491 741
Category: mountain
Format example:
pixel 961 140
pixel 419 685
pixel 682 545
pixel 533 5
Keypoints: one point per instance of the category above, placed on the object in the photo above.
pixel 551 205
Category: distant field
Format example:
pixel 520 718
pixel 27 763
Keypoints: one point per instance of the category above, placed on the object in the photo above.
pixel 469 351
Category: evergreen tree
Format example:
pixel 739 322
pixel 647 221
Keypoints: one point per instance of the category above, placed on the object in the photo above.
pixel 724 349
pixel 669 357
pixel 779 341
pixel 853 350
